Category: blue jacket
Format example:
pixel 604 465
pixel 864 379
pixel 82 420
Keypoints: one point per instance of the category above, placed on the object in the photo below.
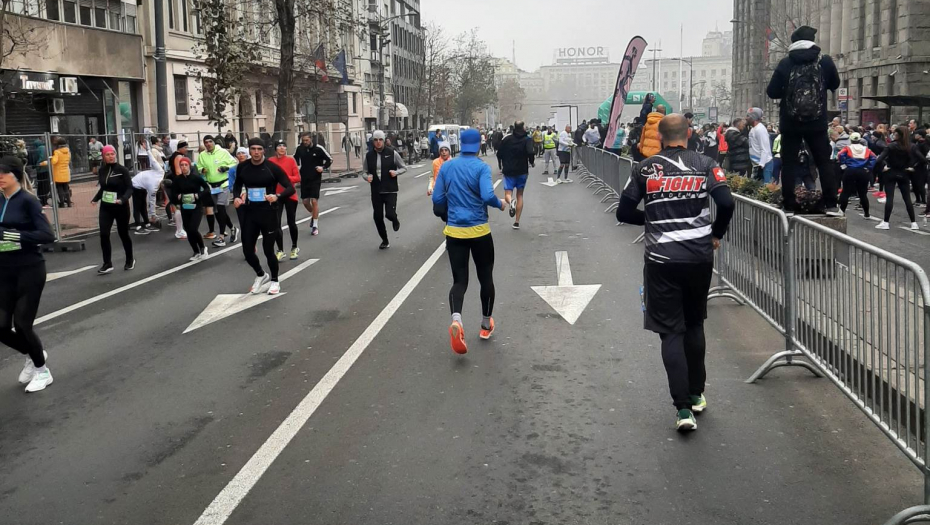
pixel 464 191
pixel 857 156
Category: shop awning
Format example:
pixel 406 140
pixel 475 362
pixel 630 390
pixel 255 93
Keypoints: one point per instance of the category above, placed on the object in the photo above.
pixel 396 109
pixel 918 101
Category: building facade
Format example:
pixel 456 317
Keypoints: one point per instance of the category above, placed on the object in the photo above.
pixel 881 48
pixel 407 56
pixel 582 76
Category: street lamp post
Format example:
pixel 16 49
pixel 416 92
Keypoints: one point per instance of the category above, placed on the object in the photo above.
pixel 690 81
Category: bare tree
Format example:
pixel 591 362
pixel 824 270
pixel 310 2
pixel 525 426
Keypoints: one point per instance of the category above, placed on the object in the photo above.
pixel 472 76
pixel 435 45
pixel 510 100
pixel 19 38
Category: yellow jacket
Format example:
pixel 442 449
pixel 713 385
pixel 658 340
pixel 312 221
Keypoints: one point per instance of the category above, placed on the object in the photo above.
pixel 649 143
pixel 437 163
pixel 61 165
pixel 537 136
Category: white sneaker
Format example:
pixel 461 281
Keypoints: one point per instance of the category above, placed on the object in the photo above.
pixel 569 181
pixel 274 288
pixel 40 380
pixel 914 226
pixel 180 235
pixel 195 257
pixel 883 226
pixel 29 370
pixel 259 284
pixel 206 253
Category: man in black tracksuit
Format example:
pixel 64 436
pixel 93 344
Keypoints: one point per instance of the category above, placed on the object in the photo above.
pixel 813 131
pixel 383 166
pixel 677 185
pixel 312 159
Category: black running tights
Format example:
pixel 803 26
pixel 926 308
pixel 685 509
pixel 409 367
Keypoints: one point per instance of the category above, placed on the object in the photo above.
pixel 118 213
pixel 259 219
pixel 191 221
pixel 683 355
pixel 856 181
pixel 20 291
pixel 482 251
pixel 290 206
pixel 903 183
pixel 222 215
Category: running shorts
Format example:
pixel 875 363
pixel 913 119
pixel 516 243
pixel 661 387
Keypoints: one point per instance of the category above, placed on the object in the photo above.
pixel 511 183
pixel 206 199
pixel 222 198
pixel 310 186
pixel 675 295
pixel 565 157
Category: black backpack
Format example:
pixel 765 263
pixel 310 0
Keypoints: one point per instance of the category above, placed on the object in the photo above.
pixel 805 92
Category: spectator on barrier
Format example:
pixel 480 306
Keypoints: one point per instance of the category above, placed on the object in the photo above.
pixel 650 143
pixel 20 151
pixel 232 145
pixel 61 172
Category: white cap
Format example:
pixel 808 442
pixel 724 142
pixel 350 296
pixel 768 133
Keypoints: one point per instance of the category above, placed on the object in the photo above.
pixel 444 144
pixel 378 134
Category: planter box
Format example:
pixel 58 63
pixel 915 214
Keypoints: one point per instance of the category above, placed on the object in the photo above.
pixel 818 256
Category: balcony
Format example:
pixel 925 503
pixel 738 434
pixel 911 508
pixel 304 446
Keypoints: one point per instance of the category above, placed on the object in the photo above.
pixel 78 50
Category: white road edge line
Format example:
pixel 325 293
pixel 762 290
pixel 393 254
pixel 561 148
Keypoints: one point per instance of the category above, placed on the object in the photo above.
pixel 422 174
pixel 87 302
pixel 239 487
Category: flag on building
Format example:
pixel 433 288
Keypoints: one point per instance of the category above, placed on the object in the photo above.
pixel 340 63
pixel 319 60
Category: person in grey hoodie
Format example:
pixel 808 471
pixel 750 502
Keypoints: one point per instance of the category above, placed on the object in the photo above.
pixel 839 140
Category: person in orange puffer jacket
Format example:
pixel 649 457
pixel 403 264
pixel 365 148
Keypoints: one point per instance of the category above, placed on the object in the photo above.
pixel 650 143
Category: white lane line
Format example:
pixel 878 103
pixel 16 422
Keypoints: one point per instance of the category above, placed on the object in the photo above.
pixel 60 275
pixel 422 174
pixel 97 298
pixel 909 230
pixel 238 488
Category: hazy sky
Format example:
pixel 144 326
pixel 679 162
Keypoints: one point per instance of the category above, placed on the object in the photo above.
pixel 539 26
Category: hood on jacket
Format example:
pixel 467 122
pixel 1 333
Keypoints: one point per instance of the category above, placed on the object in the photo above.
pixel 858 151
pixel 803 52
pixel 731 128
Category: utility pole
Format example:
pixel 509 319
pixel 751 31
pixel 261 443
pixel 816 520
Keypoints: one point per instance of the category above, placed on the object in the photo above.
pixel 161 70
pixel 654 50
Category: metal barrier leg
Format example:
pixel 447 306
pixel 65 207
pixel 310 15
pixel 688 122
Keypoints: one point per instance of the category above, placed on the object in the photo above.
pixel 612 207
pixel 724 291
pixel 773 363
pixel 917 514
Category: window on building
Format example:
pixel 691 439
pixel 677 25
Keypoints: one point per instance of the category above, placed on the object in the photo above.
pixel 180 95
pixel 893 22
pixel 51 10
pixel 100 17
pixel 874 91
pixel 196 22
pixel 131 24
pixel 70 12
pixel 665 74
pixel 703 73
pixel 723 72
pixel 876 24
pixel 258 102
pixel 171 24
pixel 114 20
pixel 85 15
pixel 184 16
pixel 861 32
pixel 889 85
pixel 207 87
pixel 858 93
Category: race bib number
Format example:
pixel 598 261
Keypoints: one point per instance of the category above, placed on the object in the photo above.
pixel 7 246
pixel 188 201
pixel 217 190
pixel 256 194
pixel 109 197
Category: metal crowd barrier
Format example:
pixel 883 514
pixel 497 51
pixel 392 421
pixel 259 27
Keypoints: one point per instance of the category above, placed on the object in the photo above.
pixel 848 311
pixel 604 171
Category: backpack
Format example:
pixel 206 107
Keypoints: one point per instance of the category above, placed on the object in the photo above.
pixel 805 92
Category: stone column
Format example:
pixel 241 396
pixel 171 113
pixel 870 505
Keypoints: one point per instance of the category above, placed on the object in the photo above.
pixel 823 32
pixel 836 26
pixel 846 44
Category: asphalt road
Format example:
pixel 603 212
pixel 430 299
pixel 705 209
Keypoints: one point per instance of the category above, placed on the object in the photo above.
pixel 899 239
pixel 340 402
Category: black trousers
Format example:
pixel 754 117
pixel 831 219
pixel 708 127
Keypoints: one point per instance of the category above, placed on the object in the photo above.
pixel 919 181
pixel 683 356
pixel 384 205
pixel 20 291
pixel 259 220
pixel 856 180
pixel 191 220
pixel 140 212
pixel 481 249
pixel 222 215
pixel 118 213
pixel 819 146
pixel 290 206
pixel 903 182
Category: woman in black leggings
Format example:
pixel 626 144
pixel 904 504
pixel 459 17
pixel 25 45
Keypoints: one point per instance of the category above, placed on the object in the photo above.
pixel 114 195
pixel 288 206
pixel 23 228
pixel 900 160
pixel 186 192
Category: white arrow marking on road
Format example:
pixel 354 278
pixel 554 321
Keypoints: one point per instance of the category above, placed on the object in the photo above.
pixel 337 191
pixel 58 275
pixel 567 299
pixel 225 305
pixel 551 183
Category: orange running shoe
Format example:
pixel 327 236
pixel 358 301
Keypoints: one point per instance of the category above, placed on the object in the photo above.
pixel 457 338
pixel 486 332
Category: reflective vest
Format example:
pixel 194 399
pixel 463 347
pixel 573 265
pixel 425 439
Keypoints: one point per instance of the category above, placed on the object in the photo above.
pixel 549 141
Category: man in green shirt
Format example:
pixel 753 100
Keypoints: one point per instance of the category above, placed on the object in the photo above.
pixel 214 163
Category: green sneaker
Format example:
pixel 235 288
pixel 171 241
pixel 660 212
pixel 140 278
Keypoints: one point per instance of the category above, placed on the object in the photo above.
pixel 280 255
pixel 685 420
pixel 698 404
pixel 294 252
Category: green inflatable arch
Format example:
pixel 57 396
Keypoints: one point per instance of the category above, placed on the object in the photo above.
pixel 633 98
